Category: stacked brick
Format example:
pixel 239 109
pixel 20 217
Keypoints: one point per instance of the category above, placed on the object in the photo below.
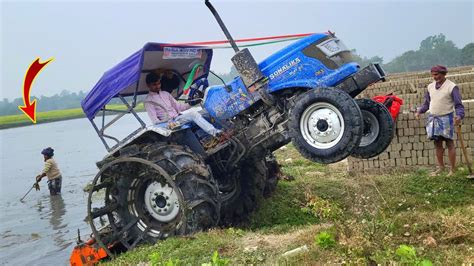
pixel 410 147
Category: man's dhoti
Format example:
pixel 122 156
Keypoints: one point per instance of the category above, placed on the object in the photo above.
pixel 438 127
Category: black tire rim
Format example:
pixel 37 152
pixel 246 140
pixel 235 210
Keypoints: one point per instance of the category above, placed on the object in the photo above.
pixel 371 128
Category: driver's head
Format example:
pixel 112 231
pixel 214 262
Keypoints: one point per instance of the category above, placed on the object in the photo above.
pixel 153 82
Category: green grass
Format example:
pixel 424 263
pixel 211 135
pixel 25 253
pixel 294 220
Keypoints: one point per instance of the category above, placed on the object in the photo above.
pixel 342 219
pixel 41 117
pixel 10 121
pixel 188 250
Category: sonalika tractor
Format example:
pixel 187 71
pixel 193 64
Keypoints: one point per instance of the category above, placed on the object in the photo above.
pixel 157 182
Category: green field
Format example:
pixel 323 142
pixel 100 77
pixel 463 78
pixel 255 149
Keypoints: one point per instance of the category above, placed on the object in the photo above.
pixel 41 117
pixel 10 121
pixel 404 218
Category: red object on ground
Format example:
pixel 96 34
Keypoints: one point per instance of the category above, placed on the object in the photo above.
pixel 392 102
pixel 89 253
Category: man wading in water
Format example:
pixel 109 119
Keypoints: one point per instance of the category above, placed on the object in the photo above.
pixel 52 171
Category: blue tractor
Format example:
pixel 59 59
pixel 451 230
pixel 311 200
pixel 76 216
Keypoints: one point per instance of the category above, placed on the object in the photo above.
pixel 157 182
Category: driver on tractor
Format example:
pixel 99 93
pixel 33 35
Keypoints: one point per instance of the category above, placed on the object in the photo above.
pixel 162 107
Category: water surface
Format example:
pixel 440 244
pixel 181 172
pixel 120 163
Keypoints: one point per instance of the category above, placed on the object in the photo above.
pixel 42 230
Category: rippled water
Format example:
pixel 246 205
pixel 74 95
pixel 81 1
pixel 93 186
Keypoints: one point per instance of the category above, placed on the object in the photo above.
pixel 42 230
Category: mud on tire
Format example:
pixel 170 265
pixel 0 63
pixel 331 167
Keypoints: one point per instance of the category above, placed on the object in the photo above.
pixel 325 125
pixel 255 180
pixel 378 129
pixel 163 190
pixel 273 175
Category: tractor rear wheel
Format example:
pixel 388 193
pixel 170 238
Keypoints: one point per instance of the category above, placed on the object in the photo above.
pixel 273 175
pixel 378 129
pixel 325 125
pixel 163 190
pixel 255 180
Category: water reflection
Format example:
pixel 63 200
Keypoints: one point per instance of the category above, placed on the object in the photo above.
pixel 55 215
pixel 58 209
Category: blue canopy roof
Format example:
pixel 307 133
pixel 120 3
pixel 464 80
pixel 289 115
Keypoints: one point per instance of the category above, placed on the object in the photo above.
pixel 128 76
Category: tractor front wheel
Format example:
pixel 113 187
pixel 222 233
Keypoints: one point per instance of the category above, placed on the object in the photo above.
pixel 378 129
pixel 325 125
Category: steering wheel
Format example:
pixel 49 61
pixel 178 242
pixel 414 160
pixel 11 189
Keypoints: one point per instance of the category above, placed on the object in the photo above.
pixel 197 90
pixel 193 83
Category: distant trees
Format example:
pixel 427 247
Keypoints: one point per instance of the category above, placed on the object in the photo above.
pixel 467 54
pixel 10 108
pixel 364 61
pixel 64 100
pixel 433 50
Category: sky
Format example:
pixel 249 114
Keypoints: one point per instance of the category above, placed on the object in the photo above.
pixel 86 38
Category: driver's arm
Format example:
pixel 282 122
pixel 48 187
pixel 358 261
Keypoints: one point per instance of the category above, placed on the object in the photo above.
pixel 177 105
pixel 151 111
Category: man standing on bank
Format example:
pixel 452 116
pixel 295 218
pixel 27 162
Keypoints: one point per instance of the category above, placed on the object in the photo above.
pixel 52 171
pixel 442 101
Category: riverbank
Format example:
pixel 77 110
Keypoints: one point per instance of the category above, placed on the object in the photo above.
pixel 328 216
pixel 21 120
pixel 11 121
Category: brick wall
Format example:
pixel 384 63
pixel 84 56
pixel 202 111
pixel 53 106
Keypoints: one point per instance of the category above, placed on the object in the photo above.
pixel 410 147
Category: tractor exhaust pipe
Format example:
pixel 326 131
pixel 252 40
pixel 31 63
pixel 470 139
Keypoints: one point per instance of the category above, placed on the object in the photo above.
pixel 243 61
pixel 223 27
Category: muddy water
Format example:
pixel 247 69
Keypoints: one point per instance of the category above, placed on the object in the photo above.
pixel 42 230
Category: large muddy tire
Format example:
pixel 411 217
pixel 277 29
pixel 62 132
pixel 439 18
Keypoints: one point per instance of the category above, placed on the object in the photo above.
pixel 273 175
pixel 161 191
pixel 250 185
pixel 378 129
pixel 325 125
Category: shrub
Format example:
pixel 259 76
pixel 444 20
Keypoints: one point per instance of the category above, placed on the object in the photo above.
pixel 216 260
pixel 325 240
pixel 407 255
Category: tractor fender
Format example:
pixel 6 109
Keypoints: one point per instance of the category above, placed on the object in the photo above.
pixel 156 133
pixel 160 130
